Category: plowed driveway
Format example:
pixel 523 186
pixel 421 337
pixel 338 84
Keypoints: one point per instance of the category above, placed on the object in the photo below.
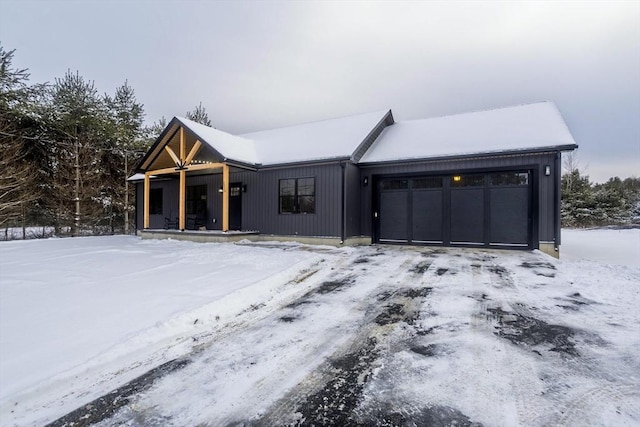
pixel 410 336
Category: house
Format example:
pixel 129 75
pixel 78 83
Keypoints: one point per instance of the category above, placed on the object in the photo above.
pixel 481 179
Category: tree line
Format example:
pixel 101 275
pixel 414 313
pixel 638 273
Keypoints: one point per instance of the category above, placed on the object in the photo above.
pixel 66 152
pixel 584 204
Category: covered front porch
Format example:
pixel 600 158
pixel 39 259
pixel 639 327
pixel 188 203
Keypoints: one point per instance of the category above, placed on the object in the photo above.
pixel 179 156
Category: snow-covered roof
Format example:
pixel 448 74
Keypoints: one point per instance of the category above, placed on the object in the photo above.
pixel 521 127
pixel 228 145
pixel 136 177
pixel 326 139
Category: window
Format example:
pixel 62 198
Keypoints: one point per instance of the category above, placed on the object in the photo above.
pixel 155 201
pixel 510 178
pixel 395 184
pixel 435 182
pixel 197 200
pixel 298 195
pixel 467 180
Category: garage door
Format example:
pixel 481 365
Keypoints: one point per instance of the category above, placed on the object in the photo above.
pixel 488 209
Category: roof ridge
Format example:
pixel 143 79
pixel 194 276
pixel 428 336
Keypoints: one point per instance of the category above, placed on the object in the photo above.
pixel 385 111
pixel 484 110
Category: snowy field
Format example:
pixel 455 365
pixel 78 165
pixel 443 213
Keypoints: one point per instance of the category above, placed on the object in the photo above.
pixel 284 333
pixel 616 247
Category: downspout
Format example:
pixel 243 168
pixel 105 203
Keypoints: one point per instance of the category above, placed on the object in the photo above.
pixel 343 218
pixel 556 205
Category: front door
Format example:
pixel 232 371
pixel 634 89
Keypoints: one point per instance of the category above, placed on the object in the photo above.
pixel 235 206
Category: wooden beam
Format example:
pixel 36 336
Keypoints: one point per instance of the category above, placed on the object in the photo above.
pixel 193 152
pixel 204 166
pixel 225 198
pixel 182 201
pixel 173 155
pixel 183 144
pixel 146 200
pixel 197 167
pixel 164 171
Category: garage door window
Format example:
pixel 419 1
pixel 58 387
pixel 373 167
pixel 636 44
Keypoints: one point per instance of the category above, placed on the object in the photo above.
pixel 510 178
pixel 427 183
pixel 467 180
pixel 395 184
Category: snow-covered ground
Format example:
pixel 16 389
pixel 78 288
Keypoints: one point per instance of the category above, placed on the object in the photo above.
pixel 616 247
pixel 17 233
pixel 282 333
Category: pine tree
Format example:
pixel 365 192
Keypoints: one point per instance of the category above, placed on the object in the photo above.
pixel 127 145
pixel 199 115
pixel 79 114
pixel 20 148
pixel 578 206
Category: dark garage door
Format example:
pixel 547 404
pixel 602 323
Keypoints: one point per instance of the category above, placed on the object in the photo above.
pixel 488 209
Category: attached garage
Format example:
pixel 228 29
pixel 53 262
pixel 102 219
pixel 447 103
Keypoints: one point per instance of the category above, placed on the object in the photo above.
pixel 470 209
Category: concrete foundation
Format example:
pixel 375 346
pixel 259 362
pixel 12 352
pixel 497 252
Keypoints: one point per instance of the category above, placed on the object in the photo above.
pixel 253 236
pixel 549 248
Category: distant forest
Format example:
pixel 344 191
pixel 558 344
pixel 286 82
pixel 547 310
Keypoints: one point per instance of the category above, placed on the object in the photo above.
pixel 584 204
pixel 66 151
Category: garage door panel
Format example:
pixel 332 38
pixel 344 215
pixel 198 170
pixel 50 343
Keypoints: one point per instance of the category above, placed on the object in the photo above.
pixel 467 216
pixel 427 216
pixel 475 209
pixel 509 210
pixel 393 215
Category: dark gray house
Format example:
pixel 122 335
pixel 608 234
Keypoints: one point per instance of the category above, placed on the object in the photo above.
pixel 482 179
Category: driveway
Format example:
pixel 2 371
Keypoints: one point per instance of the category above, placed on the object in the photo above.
pixel 397 336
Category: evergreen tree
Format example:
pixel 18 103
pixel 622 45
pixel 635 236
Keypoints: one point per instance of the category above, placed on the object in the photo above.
pixel 20 145
pixel 127 145
pixel 578 205
pixel 79 114
pixel 154 131
pixel 199 115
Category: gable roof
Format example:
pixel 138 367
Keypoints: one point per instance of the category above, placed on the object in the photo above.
pixel 519 128
pixel 375 137
pixel 327 139
pixel 228 146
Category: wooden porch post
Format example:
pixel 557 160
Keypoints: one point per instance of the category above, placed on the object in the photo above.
pixel 182 201
pixel 183 185
pixel 225 197
pixel 146 200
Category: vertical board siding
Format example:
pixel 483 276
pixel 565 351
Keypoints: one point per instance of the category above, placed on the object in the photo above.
pixel 544 202
pixel 260 204
pixel 169 202
pixel 353 188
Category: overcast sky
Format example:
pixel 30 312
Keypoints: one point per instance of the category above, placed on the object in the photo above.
pixel 261 65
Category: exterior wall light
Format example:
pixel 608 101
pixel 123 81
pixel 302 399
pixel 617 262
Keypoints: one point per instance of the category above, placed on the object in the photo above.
pixel 547 170
pixel 457 178
pixel 220 190
pixel 365 181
